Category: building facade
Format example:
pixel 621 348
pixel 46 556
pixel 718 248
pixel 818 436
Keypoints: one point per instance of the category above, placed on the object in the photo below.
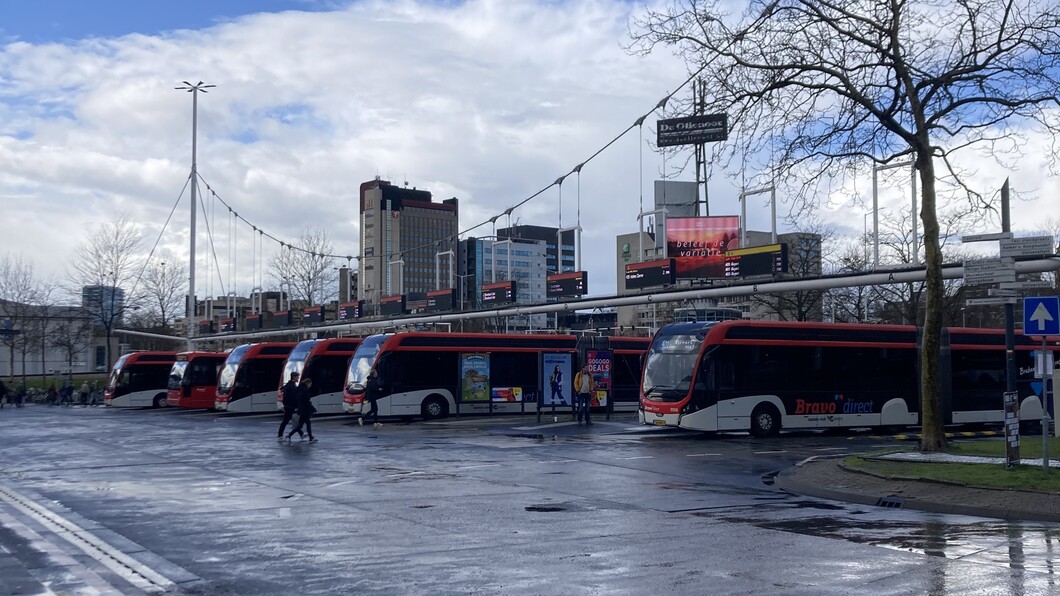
pixel 482 261
pixel 402 232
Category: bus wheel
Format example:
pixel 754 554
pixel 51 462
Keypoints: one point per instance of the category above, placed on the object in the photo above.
pixel 765 421
pixel 160 401
pixel 434 406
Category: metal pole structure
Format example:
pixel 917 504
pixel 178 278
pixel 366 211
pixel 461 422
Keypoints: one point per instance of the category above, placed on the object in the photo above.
pixel 1010 316
pixel 772 190
pixel 438 268
pixel 401 279
pixel 640 238
pixel 876 209
pixel 194 90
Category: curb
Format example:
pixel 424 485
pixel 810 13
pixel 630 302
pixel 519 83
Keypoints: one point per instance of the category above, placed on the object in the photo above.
pixel 787 481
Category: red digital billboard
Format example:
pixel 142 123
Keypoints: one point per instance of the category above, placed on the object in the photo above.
pixel 698 244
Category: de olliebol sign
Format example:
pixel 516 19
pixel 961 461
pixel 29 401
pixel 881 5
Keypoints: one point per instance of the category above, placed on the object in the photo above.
pixel 692 130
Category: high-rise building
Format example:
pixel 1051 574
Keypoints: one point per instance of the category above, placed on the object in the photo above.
pixel 402 232
pixel 105 303
pixel 522 260
pixel 557 259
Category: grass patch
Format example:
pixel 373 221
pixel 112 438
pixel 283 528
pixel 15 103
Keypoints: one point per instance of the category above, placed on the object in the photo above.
pixel 989 475
pixel 1030 447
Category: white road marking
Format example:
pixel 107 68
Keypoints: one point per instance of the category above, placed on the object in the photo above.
pixel 639 457
pixel 832 449
pixel 701 454
pixel 765 452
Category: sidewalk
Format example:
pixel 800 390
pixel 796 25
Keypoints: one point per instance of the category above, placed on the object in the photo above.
pixel 829 479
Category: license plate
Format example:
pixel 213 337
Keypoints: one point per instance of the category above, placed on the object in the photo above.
pixel 659 422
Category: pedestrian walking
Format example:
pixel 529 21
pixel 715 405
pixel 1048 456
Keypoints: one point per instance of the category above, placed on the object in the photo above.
pixel 53 395
pixel 84 393
pixel 66 393
pixel 3 394
pixel 20 397
pixel 290 403
pixel 96 397
pixel 583 387
pixel 305 410
pixel 373 390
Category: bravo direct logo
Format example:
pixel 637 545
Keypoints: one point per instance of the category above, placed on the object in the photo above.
pixel 839 405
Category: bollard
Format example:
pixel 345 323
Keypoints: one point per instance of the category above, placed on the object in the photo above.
pixel 1045 441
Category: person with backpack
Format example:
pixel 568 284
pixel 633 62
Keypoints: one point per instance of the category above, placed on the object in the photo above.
pixel 583 388
pixel 290 403
pixel 84 393
pixel 372 392
pixel 305 410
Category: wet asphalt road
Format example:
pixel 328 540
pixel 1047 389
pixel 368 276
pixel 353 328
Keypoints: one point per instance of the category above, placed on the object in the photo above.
pixel 217 506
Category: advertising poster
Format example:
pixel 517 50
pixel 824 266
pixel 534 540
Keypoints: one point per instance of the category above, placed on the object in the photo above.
pixel 698 244
pixel 507 394
pixel 556 384
pixel 474 377
pixel 600 367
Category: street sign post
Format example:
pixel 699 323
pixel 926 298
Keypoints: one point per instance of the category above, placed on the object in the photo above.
pixel 988 271
pixel 1041 315
pixel 1027 246
pixel 989 301
pixel 986 237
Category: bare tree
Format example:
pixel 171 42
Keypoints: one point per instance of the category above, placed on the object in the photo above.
pixel 19 293
pixel 165 287
pixel 304 270
pixel 104 275
pixel 849 304
pixel 71 334
pixel 818 86
pixel 805 249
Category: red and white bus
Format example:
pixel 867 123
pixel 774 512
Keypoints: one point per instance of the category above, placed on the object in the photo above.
pixel 761 376
pixel 248 380
pixel 139 379
pixel 326 362
pixel 422 372
pixel 193 379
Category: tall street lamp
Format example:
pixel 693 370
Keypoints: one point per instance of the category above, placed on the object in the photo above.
pixel 194 90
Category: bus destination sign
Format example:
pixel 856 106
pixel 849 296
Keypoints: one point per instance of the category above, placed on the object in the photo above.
pixel 392 305
pixel 501 292
pixel 351 310
pixel 650 273
pixel 441 300
pixel 573 283
pixel 756 260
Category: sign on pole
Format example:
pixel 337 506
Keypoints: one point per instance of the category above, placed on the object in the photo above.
pixel 1027 246
pixel 692 130
pixel 1012 429
pixel 986 237
pixel 1041 315
pixel 988 271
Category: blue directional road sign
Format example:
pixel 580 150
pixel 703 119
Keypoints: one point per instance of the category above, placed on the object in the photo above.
pixel 1041 315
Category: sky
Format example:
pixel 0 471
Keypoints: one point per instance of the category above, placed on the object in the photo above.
pixel 488 101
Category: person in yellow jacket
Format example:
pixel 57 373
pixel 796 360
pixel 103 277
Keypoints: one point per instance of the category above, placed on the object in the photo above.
pixel 584 386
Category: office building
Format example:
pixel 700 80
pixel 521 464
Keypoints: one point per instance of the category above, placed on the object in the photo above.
pixel 402 232
pixel 104 303
pixel 481 261
pixel 559 259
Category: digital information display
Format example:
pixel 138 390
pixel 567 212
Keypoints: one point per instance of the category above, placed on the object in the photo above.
pixel 757 260
pixel 440 300
pixel 574 283
pixel 253 322
pixel 228 325
pixel 351 310
pixel 280 318
pixel 206 327
pixel 392 305
pixel 501 292
pixel 650 273
pixel 313 315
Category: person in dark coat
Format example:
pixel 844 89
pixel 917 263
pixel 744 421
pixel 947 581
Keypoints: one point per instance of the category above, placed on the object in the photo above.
pixel 290 403
pixel 372 392
pixel 305 410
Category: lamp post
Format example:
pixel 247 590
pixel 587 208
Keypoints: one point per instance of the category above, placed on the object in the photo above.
pixel 876 211
pixel 194 90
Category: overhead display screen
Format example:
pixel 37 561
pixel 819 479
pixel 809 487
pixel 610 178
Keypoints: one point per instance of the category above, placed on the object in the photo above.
pixel 441 300
pixel 502 292
pixel 280 318
pixel 253 322
pixel 351 310
pixel 313 315
pixel 574 283
pixel 392 305
pixel 757 260
pixel 650 273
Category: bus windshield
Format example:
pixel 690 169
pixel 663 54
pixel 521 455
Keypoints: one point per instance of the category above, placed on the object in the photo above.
pixel 176 374
pixel 669 366
pixel 296 359
pixel 115 374
pixel 227 379
pixel 363 360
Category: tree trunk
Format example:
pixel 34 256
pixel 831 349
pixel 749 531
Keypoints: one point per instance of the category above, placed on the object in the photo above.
pixel 933 436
